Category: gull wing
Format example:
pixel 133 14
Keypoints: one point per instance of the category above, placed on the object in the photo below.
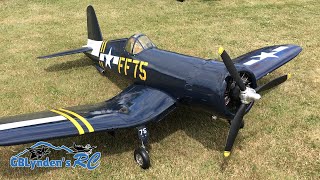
pixel 135 106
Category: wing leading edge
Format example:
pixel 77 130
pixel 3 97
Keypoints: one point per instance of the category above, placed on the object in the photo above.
pixel 135 106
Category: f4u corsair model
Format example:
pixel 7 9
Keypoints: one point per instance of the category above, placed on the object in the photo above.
pixel 162 81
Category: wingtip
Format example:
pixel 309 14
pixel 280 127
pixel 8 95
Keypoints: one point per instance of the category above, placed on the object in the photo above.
pixel 220 51
pixel 226 154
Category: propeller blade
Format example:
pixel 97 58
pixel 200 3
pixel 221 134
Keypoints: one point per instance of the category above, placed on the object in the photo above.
pixel 231 68
pixel 234 129
pixel 275 82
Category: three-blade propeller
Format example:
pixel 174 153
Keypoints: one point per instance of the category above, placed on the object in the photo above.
pixel 247 95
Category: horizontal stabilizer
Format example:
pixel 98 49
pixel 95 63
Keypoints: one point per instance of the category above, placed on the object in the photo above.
pixel 69 52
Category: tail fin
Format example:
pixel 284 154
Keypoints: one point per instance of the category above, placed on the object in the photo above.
pixel 94 32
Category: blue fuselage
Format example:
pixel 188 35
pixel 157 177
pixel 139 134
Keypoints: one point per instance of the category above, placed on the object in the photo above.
pixel 190 80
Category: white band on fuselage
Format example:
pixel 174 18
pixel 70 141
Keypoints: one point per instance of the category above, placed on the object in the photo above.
pixel 95 45
pixel 31 122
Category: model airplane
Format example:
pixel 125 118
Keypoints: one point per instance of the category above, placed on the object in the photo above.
pixel 162 81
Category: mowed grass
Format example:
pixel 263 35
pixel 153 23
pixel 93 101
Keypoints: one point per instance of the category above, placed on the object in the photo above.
pixel 281 136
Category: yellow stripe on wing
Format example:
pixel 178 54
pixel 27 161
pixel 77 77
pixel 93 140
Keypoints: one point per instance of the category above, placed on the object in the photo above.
pixel 85 122
pixel 74 122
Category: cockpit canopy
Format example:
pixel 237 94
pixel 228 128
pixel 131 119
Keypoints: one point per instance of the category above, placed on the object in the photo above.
pixel 138 43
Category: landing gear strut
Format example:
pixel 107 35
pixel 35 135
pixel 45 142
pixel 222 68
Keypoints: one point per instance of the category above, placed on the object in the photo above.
pixel 141 155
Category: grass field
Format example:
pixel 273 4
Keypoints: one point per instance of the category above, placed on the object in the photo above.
pixel 281 139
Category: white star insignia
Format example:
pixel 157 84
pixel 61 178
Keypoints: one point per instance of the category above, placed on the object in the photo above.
pixel 108 58
pixel 264 55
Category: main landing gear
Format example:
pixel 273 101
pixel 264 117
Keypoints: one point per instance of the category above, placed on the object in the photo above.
pixel 141 155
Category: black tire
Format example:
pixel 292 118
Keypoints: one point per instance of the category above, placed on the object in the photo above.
pixel 141 157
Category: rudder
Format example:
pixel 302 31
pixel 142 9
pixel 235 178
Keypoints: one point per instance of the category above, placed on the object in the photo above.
pixel 94 32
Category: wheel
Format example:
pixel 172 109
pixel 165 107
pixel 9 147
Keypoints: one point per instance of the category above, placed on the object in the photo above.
pixel 141 157
pixel 241 125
